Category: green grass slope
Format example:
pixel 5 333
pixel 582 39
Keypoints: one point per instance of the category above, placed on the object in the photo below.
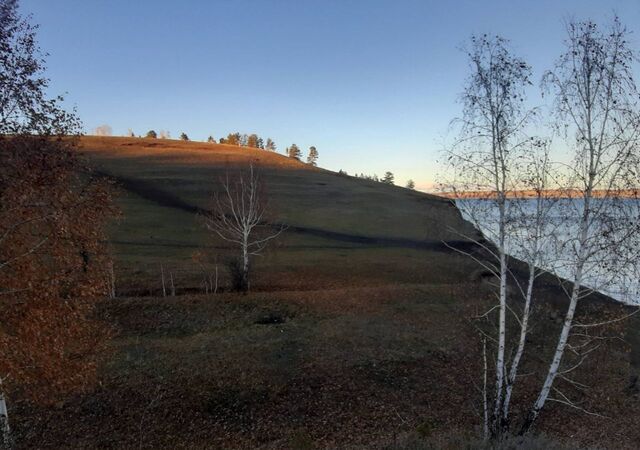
pixel 342 230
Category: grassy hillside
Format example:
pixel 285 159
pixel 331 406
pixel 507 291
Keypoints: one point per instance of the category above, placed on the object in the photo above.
pixel 341 229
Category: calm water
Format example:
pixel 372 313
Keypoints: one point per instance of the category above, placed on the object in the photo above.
pixel 612 270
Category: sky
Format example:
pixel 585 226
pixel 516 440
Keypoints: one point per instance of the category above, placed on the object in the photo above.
pixel 372 84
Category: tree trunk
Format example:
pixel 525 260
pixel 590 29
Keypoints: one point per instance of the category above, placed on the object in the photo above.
pixel 524 329
pixel 5 431
pixel 497 422
pixel 215 289
pixel 245 264
pixel 164 289
pixel 485 405
pixel 557 357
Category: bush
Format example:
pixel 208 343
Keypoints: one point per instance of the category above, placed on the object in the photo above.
pixel 152 134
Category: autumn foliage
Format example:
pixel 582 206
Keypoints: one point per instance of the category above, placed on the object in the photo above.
pixel 52 267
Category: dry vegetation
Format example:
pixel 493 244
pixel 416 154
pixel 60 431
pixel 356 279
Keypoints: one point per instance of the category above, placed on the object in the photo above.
pixel 333 368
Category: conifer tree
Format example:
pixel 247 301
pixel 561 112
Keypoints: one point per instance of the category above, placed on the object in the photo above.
pixel 312 158
pixel 294 152
pixel 388 178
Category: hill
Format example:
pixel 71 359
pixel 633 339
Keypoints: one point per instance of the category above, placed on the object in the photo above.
pixel 356 333
pixel 341 229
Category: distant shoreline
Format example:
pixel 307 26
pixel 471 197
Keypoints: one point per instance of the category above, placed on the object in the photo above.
pixel 552 194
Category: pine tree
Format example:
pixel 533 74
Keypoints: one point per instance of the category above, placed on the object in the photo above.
pixel 252 140
pixel 211 140
pixel 388 178
pixel 312 158
pixel 294 152
pixel 271 146
pixel 184 137
pixel 233 138
pixel 411 184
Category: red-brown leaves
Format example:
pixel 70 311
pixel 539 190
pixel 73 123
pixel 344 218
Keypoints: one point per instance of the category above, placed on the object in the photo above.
pixel 52 262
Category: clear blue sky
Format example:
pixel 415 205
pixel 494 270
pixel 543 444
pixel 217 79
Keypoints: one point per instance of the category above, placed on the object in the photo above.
pixel 372 84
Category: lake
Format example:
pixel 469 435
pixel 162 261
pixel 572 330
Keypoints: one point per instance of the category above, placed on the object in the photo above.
pixel 615 264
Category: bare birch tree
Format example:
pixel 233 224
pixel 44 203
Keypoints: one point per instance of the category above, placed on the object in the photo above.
pixel 492 136
pixel 238 215
pixel 103 130
pixel 533 238
pixel 596 101
pixel 577 218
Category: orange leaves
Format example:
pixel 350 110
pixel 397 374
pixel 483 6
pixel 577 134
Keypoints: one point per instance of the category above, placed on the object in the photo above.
pixel 52 259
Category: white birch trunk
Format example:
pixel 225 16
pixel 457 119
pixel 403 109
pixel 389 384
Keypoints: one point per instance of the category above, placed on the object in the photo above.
pixel 215 288
pixel 5 430
pixel 245 262
pixel 164 290
pixel 111 281
pixel 524 329
pixel 573 303
pixel 557 357
pixel 485 405
pixel 502 325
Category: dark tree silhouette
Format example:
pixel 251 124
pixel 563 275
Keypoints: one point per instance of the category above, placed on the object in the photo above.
pixel 294 152
pixel 312 158
pixel 271 146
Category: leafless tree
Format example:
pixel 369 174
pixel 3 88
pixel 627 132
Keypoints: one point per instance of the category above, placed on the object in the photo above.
pixel 491 138
pixel 596 102
pixel 238 216
pixel 533 238
pixel 103 130
pixel 578 218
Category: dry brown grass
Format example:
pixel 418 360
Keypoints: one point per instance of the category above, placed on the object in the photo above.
pixel 185 152
pixel 344 368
